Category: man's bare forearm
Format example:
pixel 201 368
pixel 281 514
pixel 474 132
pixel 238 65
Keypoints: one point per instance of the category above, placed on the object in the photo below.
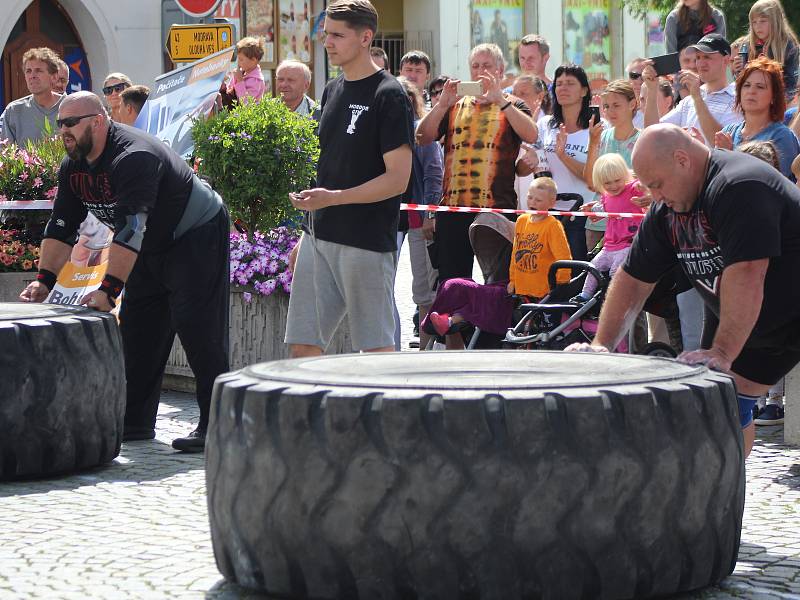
pixel 54 255
pixel 120 262
pixel 624 301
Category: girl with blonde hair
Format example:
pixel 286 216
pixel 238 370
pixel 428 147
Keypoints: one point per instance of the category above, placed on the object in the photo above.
pixel 771 36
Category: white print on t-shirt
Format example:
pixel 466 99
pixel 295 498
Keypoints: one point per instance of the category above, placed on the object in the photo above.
pixel 357 109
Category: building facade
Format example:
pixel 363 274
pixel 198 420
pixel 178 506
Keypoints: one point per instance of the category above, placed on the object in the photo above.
pixel 97 37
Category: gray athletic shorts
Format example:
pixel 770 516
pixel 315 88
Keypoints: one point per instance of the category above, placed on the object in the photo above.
pixel 332 280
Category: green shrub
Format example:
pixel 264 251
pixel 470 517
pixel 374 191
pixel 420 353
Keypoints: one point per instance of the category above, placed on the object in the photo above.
pixel 254 155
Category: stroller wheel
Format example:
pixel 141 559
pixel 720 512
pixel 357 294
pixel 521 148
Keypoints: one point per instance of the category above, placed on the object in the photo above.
pixel 659 349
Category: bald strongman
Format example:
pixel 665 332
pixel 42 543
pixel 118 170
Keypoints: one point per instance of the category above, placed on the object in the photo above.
pixel 169 251
pixel 732 222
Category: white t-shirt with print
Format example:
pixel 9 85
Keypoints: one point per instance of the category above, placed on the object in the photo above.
pixel 577 148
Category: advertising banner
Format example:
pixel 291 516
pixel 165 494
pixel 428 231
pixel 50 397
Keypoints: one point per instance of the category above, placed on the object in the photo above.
pixel 260 22
pixel 656 41
pixel 587 38
pixel 182 95
pixel 295 30
pixel 500 22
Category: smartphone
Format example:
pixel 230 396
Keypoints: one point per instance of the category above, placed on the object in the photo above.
pixel 594 112
pixel 744 52
pixel 469 88
pixel 666 64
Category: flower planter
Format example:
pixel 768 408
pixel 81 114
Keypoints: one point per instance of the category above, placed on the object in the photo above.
pixel 11 284
pixel 256 335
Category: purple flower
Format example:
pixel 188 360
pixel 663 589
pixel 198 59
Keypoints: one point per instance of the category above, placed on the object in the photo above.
pixel 248 297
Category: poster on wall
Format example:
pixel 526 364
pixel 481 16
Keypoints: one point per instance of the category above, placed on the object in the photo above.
pixel 260 23
pixel 656 41
pixel 295 30
pixel 500 22
pixel 587 38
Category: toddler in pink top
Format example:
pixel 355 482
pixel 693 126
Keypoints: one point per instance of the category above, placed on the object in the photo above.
pixel 614 181
pixel 248 80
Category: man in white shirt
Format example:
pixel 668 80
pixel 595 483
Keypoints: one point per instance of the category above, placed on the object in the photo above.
pixel 710 106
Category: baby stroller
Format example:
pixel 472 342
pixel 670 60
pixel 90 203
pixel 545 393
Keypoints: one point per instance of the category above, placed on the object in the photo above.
pixel 491 236
pixel 554 322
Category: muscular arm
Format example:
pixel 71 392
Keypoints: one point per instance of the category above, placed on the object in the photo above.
pixel 120 262
pixel 54 255
pixel 741 295
pixel 625 299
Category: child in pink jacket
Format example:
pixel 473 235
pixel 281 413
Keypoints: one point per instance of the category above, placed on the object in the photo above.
pixel 614 180
pixel 247 80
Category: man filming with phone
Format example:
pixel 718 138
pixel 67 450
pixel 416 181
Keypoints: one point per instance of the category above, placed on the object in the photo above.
pixel 482 130
pixel 710 105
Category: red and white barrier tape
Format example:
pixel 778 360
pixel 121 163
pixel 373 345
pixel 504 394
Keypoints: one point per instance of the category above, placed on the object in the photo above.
pixel 512 211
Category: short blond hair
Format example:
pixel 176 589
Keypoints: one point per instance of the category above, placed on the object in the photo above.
pixel 251 47
pixel 546 184
pixel 607 168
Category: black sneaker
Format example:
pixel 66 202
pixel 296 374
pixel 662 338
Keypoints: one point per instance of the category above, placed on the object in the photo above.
pixel 578 300
pixel 194 442
pixel 771 414
pixel 133 434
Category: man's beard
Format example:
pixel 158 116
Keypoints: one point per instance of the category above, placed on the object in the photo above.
pixel 83 146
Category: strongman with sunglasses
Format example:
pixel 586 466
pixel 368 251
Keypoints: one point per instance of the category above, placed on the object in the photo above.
pixel 169 251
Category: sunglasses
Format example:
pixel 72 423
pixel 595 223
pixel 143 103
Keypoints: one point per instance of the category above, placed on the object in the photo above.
pixel 436 92
pixel 72 121
pixel 117 87
pixel 634 75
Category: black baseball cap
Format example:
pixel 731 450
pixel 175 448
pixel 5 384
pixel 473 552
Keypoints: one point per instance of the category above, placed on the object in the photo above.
pixel 713 42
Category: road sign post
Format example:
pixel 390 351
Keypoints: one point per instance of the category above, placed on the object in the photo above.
pixel 187 43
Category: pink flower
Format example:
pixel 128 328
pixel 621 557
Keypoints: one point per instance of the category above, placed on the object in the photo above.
pixel 37 182
pixel 51 193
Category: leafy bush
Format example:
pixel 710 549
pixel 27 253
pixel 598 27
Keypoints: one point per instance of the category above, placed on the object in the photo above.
pixel 254 155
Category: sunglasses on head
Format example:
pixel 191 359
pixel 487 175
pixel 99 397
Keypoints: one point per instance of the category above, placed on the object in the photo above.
pixel 72 121
pixel 634 75
pixel 117 87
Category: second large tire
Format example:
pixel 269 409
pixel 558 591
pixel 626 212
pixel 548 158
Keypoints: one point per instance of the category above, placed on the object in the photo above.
pixel 62 389
pixel 473 475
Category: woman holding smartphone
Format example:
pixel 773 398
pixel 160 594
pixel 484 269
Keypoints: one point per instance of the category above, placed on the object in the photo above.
pixel 564 139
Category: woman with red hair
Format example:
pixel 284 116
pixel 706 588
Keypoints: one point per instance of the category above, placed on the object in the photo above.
pixel 761 98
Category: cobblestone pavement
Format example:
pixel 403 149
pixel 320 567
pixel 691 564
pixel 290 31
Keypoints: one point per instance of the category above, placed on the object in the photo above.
pixel 138 528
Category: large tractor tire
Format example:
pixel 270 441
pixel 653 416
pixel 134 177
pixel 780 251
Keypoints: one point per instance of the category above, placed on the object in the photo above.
pixel 467 475
pixel 62 389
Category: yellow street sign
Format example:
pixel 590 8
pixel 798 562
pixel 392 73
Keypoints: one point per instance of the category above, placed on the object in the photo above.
pixel 187 43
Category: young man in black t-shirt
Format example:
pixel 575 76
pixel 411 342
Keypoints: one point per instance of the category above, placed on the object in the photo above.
pixel 170 252
pixel 345 261
pixel 732 223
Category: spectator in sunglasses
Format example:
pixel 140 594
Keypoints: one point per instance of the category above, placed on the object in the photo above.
pixel 435 88
pixel 634 71
pixel 113 86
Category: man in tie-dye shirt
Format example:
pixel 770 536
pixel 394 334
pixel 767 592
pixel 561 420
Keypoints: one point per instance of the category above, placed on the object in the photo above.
pixel 481 137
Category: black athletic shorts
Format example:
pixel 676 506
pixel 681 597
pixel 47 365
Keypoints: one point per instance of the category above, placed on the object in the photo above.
pixel 766 366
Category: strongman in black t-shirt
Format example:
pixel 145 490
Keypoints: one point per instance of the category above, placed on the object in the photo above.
pixel 732 223
pixel 169 251
pixel 345 262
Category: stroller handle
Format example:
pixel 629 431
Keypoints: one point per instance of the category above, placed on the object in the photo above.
pixel 581 265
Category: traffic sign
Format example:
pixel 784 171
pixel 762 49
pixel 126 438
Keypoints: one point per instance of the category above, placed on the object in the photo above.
pixel 187 43
pixel 198 8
